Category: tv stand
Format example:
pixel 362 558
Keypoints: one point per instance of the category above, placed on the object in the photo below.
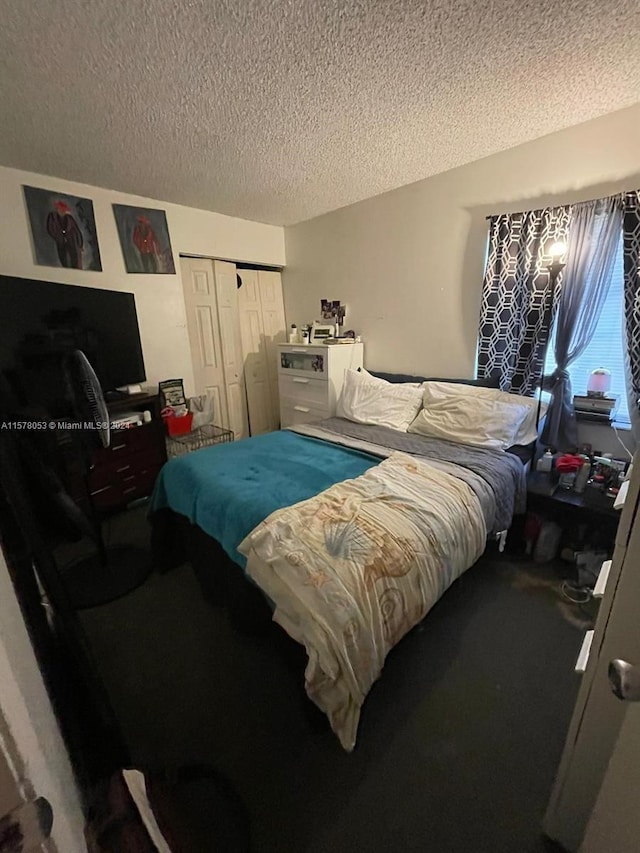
pixel 115 396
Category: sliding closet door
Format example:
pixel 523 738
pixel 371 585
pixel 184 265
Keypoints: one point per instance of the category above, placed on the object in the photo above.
pixel 262 325
pixel 203 325
pixel 275 331
pixel 262 416
pixel 227 293
pixel 211 303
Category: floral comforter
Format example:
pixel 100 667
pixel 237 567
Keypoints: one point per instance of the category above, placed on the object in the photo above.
pixel 353 569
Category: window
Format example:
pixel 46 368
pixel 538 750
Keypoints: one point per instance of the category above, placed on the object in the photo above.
pixel 606 348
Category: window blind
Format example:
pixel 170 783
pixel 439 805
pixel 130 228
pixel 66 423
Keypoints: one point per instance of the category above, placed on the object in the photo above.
pixel 606 348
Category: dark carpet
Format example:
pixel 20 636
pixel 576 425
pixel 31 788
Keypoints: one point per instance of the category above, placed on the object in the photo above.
pixel 459 739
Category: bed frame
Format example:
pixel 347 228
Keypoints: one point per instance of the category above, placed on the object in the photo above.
pixel 175 540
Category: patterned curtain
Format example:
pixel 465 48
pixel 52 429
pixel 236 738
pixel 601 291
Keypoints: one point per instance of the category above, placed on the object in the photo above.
pixel 513 326
pixel 631 249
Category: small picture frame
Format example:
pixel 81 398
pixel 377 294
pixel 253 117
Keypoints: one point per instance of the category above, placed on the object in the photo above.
pixel 172 393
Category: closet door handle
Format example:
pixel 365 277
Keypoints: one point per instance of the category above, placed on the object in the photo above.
pixel 300 381
pixel 301 409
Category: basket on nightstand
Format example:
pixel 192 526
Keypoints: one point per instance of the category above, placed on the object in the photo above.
pixel 205 436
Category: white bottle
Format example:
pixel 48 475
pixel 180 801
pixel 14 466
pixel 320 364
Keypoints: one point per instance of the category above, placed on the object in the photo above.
pixel 545 463
pixel 293 334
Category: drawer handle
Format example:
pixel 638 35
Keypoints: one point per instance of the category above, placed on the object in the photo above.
pixel 123 468
pixel 103 489
pixel 118 446
pixel 301 409
pixel 298 350
pixel 130 477
pixel 126 491
pixel 300 381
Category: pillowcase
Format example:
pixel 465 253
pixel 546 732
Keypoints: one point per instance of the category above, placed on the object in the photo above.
pixel 527 432
pixel 483 417
pixel 492 381
pixel 367 400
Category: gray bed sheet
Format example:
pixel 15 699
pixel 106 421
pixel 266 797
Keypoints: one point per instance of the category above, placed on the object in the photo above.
pixel 496 477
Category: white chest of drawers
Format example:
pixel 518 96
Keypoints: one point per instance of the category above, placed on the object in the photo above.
pixel 310 379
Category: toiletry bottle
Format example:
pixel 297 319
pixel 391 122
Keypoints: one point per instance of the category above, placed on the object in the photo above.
pixel 582 477
pixel 293 334
pixel 545 463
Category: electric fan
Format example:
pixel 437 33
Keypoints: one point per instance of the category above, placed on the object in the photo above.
pixel 110 572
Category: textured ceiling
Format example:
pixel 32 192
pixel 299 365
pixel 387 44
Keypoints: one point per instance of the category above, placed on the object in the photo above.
pixel 279 110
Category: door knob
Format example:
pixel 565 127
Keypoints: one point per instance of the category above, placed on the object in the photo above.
pixel 624 679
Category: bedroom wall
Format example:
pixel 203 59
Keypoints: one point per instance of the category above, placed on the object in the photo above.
pixel 159 299
pixel 409 263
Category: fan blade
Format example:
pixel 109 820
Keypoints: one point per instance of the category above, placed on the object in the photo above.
pixel 87 388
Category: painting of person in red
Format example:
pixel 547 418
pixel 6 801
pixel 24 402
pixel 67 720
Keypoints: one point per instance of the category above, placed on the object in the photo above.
pixel 144 239
pixel 66 234
pixel 146 242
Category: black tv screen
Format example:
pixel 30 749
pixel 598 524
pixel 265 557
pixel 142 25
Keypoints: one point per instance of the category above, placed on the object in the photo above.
pixel 40 322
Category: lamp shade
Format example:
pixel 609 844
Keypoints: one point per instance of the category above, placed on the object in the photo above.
pixel 599 382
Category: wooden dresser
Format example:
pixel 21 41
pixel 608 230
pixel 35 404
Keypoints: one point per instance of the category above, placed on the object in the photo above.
pixel 127 469
pixel 310 379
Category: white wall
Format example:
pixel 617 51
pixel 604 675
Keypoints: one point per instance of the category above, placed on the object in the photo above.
pixel 27 712
pixel 409 263
pixel 159 299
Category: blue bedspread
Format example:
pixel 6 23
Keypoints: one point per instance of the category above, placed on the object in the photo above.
pixel 228 489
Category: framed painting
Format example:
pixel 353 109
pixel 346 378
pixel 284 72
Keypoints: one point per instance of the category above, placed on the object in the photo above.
pixel 144 239
pixel 63 230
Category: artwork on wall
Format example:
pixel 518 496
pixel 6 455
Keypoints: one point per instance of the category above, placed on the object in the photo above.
pixel 332 310
pixel 144 238
pixel 63 229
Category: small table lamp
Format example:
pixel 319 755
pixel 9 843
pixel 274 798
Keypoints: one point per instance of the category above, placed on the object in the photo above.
pixel 599 383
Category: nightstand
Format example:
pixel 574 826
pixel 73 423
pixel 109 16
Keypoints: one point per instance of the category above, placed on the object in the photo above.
pixel 595 522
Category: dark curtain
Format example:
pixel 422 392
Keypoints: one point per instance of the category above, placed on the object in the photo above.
pixel 513 332
pixel 592 243
pixel 631 249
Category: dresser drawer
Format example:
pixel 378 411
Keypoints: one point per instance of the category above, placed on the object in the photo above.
pixel 303 361
pixel 124 488
pixel 293 412
pixel 304 389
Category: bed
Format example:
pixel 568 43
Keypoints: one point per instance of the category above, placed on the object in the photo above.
pixel 344 533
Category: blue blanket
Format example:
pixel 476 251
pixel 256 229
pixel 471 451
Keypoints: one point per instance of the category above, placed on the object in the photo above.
pixel 228 489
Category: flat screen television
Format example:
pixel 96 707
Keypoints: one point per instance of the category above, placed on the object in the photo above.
pixel 41 321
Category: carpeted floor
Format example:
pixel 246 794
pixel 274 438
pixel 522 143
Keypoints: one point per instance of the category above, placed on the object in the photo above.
pixel 459 740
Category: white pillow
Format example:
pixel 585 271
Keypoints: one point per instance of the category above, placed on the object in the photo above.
pixel 469 415
pixel 527 431
pixel 366 399
pixel 364 372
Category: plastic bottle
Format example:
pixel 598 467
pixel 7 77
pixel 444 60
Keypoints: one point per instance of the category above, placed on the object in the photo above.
pixel 582 477
pixel 293 334
pixel 548 542
pixel 545 463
